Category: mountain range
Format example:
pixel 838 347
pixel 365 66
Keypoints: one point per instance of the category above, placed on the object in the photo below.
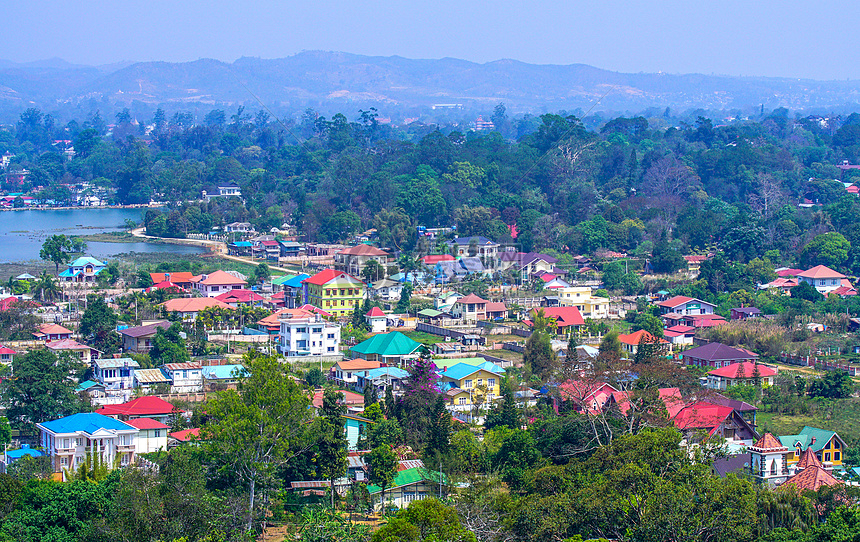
pixel 343 81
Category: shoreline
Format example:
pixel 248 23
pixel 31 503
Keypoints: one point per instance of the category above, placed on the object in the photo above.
pixel 83 207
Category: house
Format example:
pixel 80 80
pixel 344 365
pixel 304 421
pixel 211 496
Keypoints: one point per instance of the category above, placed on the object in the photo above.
pixel 444 302
pixel 167 285
pixel 216 283
pixel 290 249
pixel 147 406
pixel 94 391
pixel 812 474
pixel 222 377
pixel 630 342
pixel 352 260
pixel 747 372
pixel 190 307
pixel 476 246
pixel 828 447
pixel 6 355
pixel 714 420
pixel 466 385
pixel 293 289
pixel 239 227
pixel 694 262
pixel 354 402
pixel 470 309
pixel 462 268
pixel 587 397
pixel 272 323
pixel 567 319
pixel 240 248
pixel 148 380
pixel 527 263
pixel 240 296
pixel 51 332
pixel 684 305
pixel 310 336
pixel 151 436
pixel 14 455
pixel 139 338
pixel 229 189
pixel 768 463
pixel 115 374
pixel 73 347
pixel 70 441
pixel 177 438
pixel 698 321
pixel 679 335
pixel 745 313
pixel 391 348
pixel 382 378
pixel 346 372
pixel 376 320
pixel 354 427
pixel 409 485
pixel 581 297
pixel 336 292
pixel 496 310
pixel 670 397
pixel 179 278
pixel 717 355
pixel 386 289
pixel 266 246
pixel 782 284
pixel 432 259
pixel 184 377
pixel 822 278
pixel 83 269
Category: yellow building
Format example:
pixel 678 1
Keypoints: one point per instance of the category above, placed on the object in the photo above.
pixel 466 385
pixel 827 445
pixel 335 292
pixel 581 297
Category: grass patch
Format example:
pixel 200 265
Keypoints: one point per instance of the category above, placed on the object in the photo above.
pixel 113 237
pixel 841 415
pixel 424 338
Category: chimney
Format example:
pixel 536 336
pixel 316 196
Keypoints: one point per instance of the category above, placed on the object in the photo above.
pixel 813 441
pixel 117 356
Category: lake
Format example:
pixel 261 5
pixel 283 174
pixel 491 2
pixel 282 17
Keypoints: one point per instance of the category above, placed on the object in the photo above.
pixel 23 232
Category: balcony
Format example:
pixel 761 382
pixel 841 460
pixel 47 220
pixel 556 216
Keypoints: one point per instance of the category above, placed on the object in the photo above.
pixel 125 447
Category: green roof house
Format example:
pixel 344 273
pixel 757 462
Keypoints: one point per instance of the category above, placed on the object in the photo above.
pixel 409 485
pixel 390 348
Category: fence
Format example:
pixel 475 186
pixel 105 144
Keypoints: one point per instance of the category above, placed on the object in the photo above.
pixel 815 363
pixel 445 332
pixel 501 362
pixel 521 332
pixel 514 347
pixel 313 359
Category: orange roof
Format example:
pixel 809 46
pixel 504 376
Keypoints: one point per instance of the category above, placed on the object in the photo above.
pixel 675 301
pixel 179 276
pixel 67 344
pixel 637 337
pixel 186 434
pixel 357 365
pixel 274 319
pixel 363 250
pixel 808 459
pixel 770 443
pixel 471 298
pixel 349 398
pixel 193 304
pixel 821 272
pixel 53 329
pixel 219 278
pixel 812 478
pixel 746 369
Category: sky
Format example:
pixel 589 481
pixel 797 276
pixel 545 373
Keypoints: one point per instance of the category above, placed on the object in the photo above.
pixel 784 38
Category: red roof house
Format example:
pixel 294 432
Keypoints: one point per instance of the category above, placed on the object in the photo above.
pixel 142 407
pixel 630 342
pixel 719 420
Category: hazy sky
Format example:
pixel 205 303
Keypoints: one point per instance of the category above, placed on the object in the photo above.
pixel 789 38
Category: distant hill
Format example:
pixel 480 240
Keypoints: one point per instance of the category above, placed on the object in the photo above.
pixel 334 81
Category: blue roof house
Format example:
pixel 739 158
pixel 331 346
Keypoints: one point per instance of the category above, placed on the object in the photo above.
pixel 68 441
pixel 14 455
pixel 83 269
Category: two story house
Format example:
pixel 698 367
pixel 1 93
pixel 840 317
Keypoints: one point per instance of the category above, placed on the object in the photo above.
pixel 822 278
pixel 83 269
pixel 69 441
pixel 336 292
pixel 352 260
pixel 115 374
pixel 139 338
pixel 215 284
pixel 465 385
pixel 184 377
pixel 470 309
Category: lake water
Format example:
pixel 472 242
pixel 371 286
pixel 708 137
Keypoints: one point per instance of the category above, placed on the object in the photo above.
pixel 23 232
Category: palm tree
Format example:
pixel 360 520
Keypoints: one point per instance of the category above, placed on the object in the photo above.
pixel 47 287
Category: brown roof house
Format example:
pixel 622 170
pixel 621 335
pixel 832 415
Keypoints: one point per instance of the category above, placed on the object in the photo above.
pixel 139 338
pixel 353 259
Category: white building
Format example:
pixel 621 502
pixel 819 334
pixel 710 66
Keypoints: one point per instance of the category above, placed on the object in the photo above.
pixel 152 435
pixel 822 278
pixel 71 440
pixel 377 320
pixel 310 336
pixel 115 374
pixel 184 377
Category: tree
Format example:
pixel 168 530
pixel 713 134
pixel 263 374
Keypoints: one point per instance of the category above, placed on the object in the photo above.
pixel 504 412
pixel 405 297
pixel 314 377
pixel 424 520
pixel 414 409
pixel 262 273
pixel 168 346
pixel 46 287
pixel 834 385
pixel 258 427
pixel 43 389
pixel 98 325
pixel 610 344
pixel 373 271
pixel 56 248
pixel 382 468
pixel 806 291
pixel 538 354
pixel 331 444
pixel 439 432
pixel 830 249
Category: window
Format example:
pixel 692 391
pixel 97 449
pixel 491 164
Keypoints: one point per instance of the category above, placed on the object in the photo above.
pixel 302 330
pixel 837 456
pixel 64 461
pixel 826 457
pixel 330 349
pixel 301 344
pixel 491 382
pixel 461 401
pixel 468 384
pixel 317 330
pixel 836 444
pixel 79 442
pixel 157 433
pixel 330 336
pixel 480 381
